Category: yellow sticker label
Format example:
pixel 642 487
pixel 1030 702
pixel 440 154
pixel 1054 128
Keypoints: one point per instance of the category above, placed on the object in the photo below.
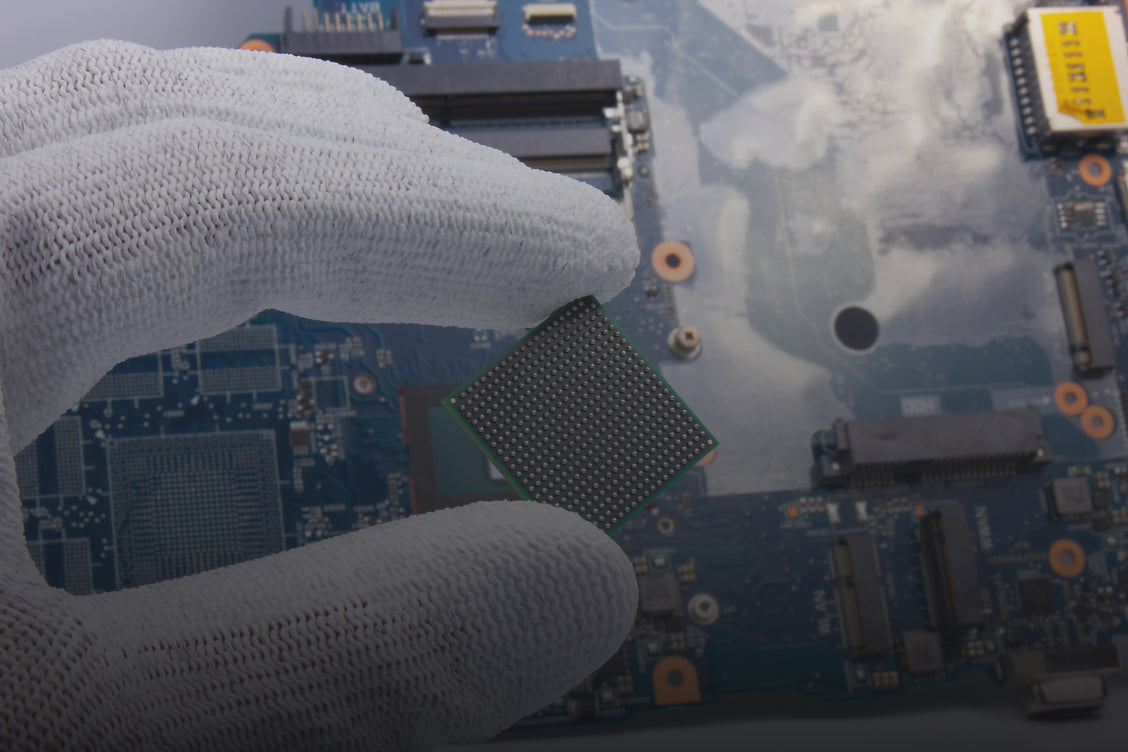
pixel 1082 68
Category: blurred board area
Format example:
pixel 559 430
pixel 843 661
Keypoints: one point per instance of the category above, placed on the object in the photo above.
pixel 895 292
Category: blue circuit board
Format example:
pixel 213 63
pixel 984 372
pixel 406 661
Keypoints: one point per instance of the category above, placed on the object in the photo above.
pixel 802 194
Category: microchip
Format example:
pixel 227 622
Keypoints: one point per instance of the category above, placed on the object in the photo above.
pixel 1082 215
pixel 584 709
pixel 616 666
pixel 1122 577
pixel 637 121
pixel 1101 523
pixel 658 593
pixel 576 417
pixel 447 468
pixel 1014 633
pixel 923 652
pixel 1036 595
pixel 1070 496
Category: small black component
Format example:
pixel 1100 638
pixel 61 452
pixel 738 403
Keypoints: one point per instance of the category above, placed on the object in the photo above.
pixel 1014 633
pixel 1122 577
pixel 1035 665
pixel 1036 594
pixel 1070 496
pixel 577 418
pixel 931 447
pixel 1100 498
pixel 1101 523
pixel 1082 215
pixel 420 411
pixel 493 90
pixel 638 121
pixel 329 393
pixel 616 666
pixel 924 653
pixel 865 620
pixel 658 593
pixel 1073 660
pixel 300 433
pixel 1081 293
pixel 306 397
pixel 361 40
pixel 950 568
pixel 585 709
pixel 1082 610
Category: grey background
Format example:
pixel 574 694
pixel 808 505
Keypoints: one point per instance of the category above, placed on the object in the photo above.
pixel 971 715
pixel 33 27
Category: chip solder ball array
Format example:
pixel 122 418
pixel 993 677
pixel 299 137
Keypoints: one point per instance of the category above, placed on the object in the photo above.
pixel 576 417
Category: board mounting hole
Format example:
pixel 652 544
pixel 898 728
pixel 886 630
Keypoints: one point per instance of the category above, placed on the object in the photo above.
pixel 672 260
pixel 1095 170
pixel 856 328
pixel 675 678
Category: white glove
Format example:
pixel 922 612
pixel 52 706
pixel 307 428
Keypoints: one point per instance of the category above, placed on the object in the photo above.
pixel 148 199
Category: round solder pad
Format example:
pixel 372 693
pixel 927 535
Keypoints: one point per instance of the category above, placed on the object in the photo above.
pixel 1067 558
pixel 675 681
pixel 1097 422
pixel 1095 170
pixel 258 45
pixel 364 384
pixel 1071 398
pixel 672 260
pixel 666 525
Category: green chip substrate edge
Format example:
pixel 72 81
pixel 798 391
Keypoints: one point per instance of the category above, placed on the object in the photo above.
pixel 574 415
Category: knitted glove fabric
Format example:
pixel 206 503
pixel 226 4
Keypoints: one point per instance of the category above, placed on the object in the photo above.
pixel 148 199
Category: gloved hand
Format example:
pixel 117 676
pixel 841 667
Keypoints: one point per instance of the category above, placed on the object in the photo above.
pixel 148 199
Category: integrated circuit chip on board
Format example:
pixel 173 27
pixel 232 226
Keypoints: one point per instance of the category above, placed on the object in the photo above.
pixel 576 417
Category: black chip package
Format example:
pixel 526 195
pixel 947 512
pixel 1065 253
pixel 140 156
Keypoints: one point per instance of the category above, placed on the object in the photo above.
pixel 658 593
pixel 924 653
pixel 576 417
pixel 1036 595
pixel 616 666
